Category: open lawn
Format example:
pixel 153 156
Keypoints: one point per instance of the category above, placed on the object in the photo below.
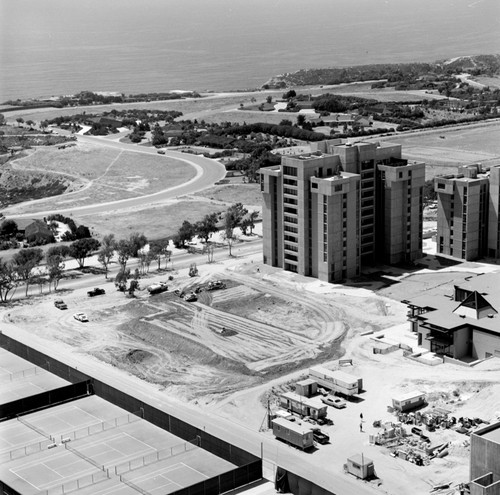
pixel 104 174
pixel 443 150
pixel 155 222
pixel 248 194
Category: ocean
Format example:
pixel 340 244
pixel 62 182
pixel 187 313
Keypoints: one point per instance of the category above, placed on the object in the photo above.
pixel 55 47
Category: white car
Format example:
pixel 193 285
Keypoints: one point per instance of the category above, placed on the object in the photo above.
pixel 80 317
pixel 330 400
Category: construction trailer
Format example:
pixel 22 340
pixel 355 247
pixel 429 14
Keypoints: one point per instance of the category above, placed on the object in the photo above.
pixel 302 405
pixel 337 381
pixel 360 466
pixel 295 433
pixel 409 401
pixel 307 387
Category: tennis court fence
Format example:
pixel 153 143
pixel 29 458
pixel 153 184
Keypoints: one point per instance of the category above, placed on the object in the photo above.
pixel 35 370
pixel 157 456
pixel 96 428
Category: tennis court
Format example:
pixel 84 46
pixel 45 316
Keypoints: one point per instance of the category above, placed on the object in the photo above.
pixel 95 447
pixel 20 378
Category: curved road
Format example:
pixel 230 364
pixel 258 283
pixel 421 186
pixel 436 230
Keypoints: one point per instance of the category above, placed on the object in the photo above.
pixel 208 172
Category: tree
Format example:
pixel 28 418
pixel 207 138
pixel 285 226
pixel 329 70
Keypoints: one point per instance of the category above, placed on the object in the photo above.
pixel 234 215
pixel 134 285
pixel 124 252
pixel 208 226
pixel 25 262
pixel 121 279
pixel 269 99
pixel 230 237
pixel 186 232
pixel 62 251
pixel 157 248
pixel 252 217
pixel 136 242
pixel 82 232
pixel 8 229
pixel 301 118
pixel 80 249
pixel 289 94
pixel 287 122
pixel 30 123
pixel 43 125
pixel 55 267
pixel 8 280
pixel 106 252
pixel 19 121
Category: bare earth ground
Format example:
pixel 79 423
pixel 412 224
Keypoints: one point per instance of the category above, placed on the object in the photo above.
pixel 276 325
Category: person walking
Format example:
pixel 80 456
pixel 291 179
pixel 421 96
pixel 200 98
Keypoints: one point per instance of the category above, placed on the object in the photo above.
pixel 361 416
pixel 361 427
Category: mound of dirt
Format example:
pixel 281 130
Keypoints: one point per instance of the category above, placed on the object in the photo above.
pixel 138 356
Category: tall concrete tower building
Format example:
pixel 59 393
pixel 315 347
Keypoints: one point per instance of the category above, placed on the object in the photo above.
pixel 468 213
pixel 329 213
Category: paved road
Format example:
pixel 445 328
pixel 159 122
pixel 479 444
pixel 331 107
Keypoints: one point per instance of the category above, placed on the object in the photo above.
pixel 208 172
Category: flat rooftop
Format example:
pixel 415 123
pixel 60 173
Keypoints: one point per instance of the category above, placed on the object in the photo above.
pixel 491 432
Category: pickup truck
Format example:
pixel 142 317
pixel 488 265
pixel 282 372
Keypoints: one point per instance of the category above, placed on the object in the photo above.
pixel 96 292
pixel 320 436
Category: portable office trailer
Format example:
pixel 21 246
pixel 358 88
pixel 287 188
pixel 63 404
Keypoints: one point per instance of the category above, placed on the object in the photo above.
pixel 307 387
pixel 302 405
pixel 360 466
pixel 294 433
pixel 408 401
pixel 337 381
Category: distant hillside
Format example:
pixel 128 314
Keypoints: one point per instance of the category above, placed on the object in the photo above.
pixel 486 65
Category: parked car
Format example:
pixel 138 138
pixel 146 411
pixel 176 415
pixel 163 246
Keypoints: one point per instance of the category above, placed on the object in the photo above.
pixel 96 292
pixel 320 436
pixel 330 400
pixel 80 317
pixel 59 303
pixel 161 152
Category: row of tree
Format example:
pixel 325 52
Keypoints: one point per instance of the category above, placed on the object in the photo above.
pixel 236 216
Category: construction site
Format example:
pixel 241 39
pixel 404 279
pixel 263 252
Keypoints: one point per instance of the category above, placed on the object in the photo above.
pixel 251 332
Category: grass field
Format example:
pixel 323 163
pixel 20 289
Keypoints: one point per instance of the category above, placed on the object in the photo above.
pixel 104 174
pixel 248 194
pixel 444 150
pixel 155 222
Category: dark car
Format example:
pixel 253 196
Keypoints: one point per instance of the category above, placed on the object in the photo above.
pixel 59 303
pixel 96 292
pixel 320 436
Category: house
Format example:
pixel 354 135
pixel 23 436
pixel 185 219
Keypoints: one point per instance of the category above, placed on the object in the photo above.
pixel 38 232
pixel 464 326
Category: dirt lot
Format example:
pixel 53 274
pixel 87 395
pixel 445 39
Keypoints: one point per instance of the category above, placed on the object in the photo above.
pixel 232 347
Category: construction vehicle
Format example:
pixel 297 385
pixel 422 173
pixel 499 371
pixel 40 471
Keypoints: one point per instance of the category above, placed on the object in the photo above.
pixel 157 288
pixel 217 284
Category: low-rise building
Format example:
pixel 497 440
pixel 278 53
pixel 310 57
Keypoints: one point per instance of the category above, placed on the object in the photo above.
pixel 464 326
